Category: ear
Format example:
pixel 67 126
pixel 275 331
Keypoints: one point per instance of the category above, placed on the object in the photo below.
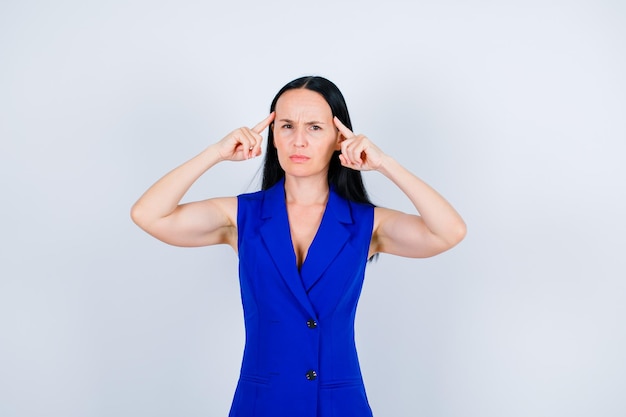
pixel 340 138
pixel 271 131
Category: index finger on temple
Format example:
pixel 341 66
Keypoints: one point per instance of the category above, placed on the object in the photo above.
pixel 265 123
pixel 347 133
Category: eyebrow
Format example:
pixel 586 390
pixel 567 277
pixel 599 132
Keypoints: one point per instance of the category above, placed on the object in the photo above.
pixel 313 122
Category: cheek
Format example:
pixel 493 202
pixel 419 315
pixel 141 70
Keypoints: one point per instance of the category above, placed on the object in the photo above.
pixel 282 135
pixel 279 140
pixel 330 142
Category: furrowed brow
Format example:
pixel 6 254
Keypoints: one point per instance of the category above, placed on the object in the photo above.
pixel 313 122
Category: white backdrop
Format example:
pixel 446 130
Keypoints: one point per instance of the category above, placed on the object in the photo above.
pixel 515 112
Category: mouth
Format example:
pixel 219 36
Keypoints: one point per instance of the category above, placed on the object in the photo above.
pixel 299 158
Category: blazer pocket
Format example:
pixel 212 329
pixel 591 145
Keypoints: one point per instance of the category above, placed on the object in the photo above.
pixel 344 398
pixel 342 383
pixel 255 379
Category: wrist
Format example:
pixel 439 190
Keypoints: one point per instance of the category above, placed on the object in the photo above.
pixel 386 163
pixel 212 154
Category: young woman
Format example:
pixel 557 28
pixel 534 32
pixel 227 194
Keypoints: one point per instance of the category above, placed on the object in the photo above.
pixel 303 243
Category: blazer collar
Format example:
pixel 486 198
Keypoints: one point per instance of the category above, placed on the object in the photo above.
pixel 332 235
pixel 274 203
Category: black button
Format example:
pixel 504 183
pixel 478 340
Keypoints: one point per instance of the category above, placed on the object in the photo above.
pixel 311 324
pixel 311 375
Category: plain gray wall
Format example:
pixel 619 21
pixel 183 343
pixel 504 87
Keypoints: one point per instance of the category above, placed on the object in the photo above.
pixel 515 111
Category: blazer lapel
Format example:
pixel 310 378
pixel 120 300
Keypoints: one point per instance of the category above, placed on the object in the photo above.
pixel 330 239
pixel 277 237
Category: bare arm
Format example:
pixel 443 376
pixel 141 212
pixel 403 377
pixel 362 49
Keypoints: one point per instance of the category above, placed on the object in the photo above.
pixel 437 228
pixel 159 212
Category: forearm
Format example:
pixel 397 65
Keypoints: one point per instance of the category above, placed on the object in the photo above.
pixel 162 198
pixel 438 215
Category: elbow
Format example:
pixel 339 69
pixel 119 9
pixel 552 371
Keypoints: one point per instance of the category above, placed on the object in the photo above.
pixel 458 234
pixel 453 235
pixel 137 215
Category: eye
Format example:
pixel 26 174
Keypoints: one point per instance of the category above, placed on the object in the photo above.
pixel 316 127
pixel 287 126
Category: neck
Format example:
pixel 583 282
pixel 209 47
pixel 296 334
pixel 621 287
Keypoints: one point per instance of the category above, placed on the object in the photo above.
pixel 306 191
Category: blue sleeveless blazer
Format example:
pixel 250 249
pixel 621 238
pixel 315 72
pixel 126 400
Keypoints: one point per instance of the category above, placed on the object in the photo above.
pixel 300 357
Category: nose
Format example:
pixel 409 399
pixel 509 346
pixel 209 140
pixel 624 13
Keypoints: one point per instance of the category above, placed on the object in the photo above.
pixel 300 140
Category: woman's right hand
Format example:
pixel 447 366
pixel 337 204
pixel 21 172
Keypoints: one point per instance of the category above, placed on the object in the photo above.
pixel 243 143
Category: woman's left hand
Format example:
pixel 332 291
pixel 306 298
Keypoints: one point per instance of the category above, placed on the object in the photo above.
pixel 357 151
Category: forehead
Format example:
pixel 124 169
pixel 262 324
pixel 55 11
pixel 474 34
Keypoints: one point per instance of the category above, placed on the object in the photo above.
pixel 302 102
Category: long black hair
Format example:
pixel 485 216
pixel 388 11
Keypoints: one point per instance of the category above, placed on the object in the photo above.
pixel 347 182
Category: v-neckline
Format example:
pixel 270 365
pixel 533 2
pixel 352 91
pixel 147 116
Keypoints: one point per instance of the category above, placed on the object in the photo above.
pixel 331 236
pixel 305 255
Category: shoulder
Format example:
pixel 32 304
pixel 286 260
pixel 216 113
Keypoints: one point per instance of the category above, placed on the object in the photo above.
pixel 362 206
pixel 271 197
pixel 351 212
pixel 338 200
pixel 249 205
pixel 361 210
pixel 253 196
pixel 250 201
